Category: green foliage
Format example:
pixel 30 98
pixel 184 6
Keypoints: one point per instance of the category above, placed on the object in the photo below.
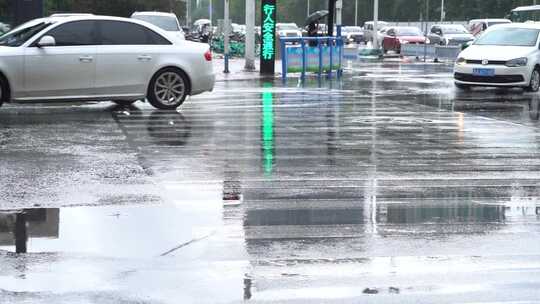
pixel 290 10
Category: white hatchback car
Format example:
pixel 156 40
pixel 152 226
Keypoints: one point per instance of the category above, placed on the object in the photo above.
pixel 505 56
pixel 100 58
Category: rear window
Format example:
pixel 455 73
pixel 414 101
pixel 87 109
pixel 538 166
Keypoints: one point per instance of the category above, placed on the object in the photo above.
pixel 127 33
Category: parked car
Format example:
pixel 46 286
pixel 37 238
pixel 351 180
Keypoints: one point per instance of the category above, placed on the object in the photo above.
pixel 369 31
pixel 288 30
pixel 352 34
pixel 505 56
pixel 101 58
pixel 166 21
pixel 449 34
pixel 478 26
pixel 396 36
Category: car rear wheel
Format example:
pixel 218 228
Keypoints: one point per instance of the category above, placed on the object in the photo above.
pixel 168 89
pixel 124 103
pixel 534 84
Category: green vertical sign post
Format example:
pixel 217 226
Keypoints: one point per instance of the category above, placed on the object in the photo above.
pixel 268 34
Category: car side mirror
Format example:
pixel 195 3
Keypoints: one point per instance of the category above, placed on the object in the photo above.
pixel 46 41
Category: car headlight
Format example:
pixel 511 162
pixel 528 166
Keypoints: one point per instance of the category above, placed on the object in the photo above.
pixel 461 61
pixel 427 41
pixel 517 62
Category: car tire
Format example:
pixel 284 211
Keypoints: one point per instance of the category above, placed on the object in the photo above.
pixel 3 90
pixel 168 89
pixel 124 103
pixel 534 84
pixel 463 87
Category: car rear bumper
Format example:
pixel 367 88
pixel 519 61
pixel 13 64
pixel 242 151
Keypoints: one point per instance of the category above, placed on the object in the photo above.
pixel 203 83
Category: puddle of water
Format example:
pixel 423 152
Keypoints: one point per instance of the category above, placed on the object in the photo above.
pixel 127 231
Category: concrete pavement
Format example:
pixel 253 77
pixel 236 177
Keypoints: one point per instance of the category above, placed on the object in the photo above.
pixel 386 187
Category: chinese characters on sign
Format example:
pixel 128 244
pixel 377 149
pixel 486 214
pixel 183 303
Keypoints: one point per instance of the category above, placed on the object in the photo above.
pixel 268 33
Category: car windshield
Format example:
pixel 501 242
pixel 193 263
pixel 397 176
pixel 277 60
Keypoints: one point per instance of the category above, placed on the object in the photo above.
pixel 408 31
pixel 167 23
pixel 23 33
pixel 509 37
pixel 454 30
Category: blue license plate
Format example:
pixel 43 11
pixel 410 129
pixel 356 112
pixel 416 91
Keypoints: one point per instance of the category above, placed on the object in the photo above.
pixel 483 72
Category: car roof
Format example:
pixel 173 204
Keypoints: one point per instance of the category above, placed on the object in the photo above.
pixel 70 14
pixel 149 13
pixel 490 20
pixel 448 25
pixel 531 25
pixel 526 8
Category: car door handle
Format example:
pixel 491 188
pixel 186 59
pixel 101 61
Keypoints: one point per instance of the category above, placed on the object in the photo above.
pixel 144 58
pixel 86 59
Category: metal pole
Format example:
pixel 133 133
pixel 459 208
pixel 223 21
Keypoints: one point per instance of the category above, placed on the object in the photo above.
pixel 250 35
pixel 375 23
pixel 331 12
pixel 211 11
pixel 339 6
pixel 188 15
pixel 443 13
pixel 356 12
pixel 308 10
pixel 226 33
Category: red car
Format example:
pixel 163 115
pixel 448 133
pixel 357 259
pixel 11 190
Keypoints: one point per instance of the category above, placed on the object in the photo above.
pixel 396 36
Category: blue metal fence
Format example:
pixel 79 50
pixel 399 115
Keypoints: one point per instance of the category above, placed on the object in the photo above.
pixel 321 42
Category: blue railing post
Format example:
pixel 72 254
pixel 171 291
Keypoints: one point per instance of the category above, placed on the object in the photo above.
pixel 283 59
pixel 320 56
pixel 331 51
pixel 304 59
pixel 340 48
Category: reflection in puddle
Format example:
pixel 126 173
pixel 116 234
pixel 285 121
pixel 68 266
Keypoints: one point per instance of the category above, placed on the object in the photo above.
pixel 127 231
pixel 17 228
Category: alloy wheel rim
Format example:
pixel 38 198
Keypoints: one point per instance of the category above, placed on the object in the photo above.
pixel 169 88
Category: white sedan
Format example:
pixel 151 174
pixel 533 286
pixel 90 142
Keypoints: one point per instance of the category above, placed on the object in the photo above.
pixel 504 56
pixel 100 58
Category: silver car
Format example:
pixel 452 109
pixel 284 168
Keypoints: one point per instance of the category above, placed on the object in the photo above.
pixel 100 58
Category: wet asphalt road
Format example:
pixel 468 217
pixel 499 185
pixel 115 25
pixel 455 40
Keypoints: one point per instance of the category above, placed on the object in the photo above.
pixel 387 187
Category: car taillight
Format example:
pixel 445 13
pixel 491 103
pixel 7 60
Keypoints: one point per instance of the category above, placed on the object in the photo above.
pixel 208 55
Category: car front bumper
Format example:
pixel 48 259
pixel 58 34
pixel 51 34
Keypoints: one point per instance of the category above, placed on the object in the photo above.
pixel 504 76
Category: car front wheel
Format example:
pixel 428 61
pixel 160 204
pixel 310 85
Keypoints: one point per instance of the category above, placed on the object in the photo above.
pixel 534 84
pixel 168 89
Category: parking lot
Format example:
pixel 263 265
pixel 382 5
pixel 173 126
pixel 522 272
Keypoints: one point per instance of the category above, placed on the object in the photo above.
pixel 388 186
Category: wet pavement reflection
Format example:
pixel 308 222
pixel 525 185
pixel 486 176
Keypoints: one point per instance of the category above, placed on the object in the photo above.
pixel 388 186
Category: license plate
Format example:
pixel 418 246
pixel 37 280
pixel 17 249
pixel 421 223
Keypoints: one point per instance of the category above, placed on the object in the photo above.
pixel 483 72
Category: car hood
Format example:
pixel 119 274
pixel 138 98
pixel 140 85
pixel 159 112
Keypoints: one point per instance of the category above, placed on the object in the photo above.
pixel 491 52
pixel 459 36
